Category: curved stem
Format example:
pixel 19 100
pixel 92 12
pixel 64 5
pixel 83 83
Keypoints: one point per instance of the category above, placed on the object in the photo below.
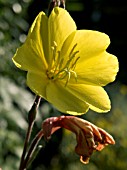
pixel 26 145
pixel 32 112
pixel 32 148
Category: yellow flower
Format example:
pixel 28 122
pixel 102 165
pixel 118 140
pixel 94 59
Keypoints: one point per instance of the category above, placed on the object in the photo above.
pixel 65 66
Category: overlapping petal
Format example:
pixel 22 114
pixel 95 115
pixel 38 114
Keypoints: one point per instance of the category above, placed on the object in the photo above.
pixel 31 55
pixel 95 96
pixel 99 70
pixel 38 33
pixel 38 83
pixel 89 44
pixel 28 59
pixel 65 101
pixel 60 26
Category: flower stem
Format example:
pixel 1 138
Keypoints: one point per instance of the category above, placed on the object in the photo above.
pixel 31 118
pixel 32 148
pixel 54 3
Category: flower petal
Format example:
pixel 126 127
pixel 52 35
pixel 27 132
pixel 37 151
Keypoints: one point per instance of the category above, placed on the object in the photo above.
pixel 89 44
pixel 31 55
pixel 95 96
pixel 99 70
pixel 37 83
pixel 84 123
pixel 60 25
pixel 63 100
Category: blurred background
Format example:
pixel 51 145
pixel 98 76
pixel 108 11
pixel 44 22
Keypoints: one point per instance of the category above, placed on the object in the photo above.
pixel 16 16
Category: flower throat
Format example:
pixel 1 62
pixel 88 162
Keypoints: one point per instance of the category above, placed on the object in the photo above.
pixel 61 68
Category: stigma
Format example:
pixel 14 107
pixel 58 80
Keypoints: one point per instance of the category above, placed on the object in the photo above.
pixel 60 67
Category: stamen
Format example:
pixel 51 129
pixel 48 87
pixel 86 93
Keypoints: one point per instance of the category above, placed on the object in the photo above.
pixel 57 62
pixel 68 78
pixel 70 60
pixel 72 50
pixel 61 63
pixel 74 64
pixel 75 75
pixel 60 68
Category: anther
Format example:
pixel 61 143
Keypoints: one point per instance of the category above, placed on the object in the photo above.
pixel 54 43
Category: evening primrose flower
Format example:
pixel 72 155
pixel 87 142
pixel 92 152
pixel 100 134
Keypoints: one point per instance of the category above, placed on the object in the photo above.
pixel 89 137
pixel 65 66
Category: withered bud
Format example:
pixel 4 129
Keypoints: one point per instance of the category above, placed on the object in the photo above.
pixel 89 137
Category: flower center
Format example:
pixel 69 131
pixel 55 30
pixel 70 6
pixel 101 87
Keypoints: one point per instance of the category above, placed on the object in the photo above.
pixel 61 68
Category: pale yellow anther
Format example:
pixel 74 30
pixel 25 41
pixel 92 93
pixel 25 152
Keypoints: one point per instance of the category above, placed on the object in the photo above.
pixel 52 48
pixel 54 43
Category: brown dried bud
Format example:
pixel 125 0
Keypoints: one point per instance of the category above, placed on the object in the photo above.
pixel 89 137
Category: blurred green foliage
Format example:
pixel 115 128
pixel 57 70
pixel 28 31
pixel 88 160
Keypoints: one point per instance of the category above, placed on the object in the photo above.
pixel 16 100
